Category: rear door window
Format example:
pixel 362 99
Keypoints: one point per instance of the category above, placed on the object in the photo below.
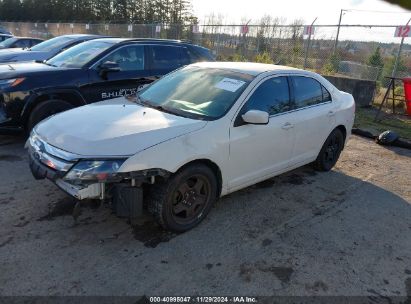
pixel 165 58
pixel 307 92
pixel 187 57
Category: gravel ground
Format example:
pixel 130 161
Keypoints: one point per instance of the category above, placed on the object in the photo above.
pixel 346 232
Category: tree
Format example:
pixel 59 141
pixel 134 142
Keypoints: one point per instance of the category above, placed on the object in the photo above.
pixel 137 11
pixel 375 58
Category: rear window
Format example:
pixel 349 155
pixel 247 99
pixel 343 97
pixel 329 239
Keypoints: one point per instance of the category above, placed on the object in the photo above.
pixel 203 53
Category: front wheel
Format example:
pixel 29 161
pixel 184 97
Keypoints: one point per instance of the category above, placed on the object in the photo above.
pixel 330 152
pixel 46 109
pixel 185 199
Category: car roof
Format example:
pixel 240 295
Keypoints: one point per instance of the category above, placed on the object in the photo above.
pixel 27 38
pixel 250 68
pixel 76 36
pixel 148 40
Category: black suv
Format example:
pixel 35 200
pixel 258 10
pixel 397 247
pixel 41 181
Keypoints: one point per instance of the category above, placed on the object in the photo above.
pixel 89 72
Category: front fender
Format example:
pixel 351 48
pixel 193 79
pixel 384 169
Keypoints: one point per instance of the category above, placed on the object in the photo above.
pixel 50 93
pixel 174 154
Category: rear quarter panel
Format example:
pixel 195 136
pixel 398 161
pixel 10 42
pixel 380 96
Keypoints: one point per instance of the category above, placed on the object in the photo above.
pixel 345 111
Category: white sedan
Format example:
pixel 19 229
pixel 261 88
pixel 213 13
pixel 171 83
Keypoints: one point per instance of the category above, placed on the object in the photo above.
pixel 195 135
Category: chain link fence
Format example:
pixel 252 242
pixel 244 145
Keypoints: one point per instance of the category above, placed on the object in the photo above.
pixel 280 44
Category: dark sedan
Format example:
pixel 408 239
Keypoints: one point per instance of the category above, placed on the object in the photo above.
pixel 19 42
pixel 5 37
pixel 44 50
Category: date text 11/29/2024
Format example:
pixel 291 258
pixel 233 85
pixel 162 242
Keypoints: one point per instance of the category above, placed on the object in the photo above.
pixel 199 299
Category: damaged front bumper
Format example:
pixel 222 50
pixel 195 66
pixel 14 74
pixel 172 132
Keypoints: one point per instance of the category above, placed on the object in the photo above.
pixel 93 191
pixel 125 191
pixel 41 171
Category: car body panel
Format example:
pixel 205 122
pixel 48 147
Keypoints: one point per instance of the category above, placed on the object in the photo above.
pixel 118 128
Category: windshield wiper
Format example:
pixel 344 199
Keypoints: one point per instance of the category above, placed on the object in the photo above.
pixel 146 103
pixel 46 63
pixel 180 113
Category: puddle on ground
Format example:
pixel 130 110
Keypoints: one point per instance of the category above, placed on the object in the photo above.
pixel 310 172
pixel 65 206
pixel 9 239
pixel 151 234
pixel 62 207
pixel 7 200
pixel 294 179
pixel 10 158
pixel 282 273
pixel 265 184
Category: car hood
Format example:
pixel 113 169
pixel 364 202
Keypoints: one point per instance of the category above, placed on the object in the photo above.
pixel 110 128
pixel 10 70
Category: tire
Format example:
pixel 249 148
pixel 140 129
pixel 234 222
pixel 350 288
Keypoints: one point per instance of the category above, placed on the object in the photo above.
pixel 184 200
pixel 330 151
pixel 46 109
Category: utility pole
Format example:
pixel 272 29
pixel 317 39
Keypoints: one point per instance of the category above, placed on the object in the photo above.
pixel 338 32
pixel 397 60
pixel 310 31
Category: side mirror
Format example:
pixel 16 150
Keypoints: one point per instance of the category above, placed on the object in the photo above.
pixel 108 67
pixel 256 117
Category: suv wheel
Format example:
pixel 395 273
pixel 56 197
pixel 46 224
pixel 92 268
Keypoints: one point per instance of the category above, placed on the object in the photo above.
pixel 184 200
pixel 330 152
pixel 46 109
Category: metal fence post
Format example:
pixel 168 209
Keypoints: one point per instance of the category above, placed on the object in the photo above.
pixel 338 31
pixel 308 42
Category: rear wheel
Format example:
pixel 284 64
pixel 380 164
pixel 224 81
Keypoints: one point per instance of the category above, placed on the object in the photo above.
pixel 330 152
pixel 184 200
pixel 46 109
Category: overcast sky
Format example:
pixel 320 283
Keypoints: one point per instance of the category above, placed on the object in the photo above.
pixel 327 11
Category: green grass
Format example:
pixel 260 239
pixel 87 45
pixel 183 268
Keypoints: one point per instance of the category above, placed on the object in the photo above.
pixel 364 119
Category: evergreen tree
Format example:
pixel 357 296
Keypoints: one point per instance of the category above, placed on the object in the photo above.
pixel 136 11
pixel 376 60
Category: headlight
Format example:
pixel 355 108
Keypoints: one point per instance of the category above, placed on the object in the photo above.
pixel 89 171
pixel 9 83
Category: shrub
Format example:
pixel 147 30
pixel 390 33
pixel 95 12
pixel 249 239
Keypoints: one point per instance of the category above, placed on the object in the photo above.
pixel 264 58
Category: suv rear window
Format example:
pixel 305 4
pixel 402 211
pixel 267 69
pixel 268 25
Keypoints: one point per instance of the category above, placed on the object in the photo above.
pixel 165 57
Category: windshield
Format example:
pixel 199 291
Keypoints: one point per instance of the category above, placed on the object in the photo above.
pixel 195 92
pixel 8 42
pixel 51 44
pixel 79 55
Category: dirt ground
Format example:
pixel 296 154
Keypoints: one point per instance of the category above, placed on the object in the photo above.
pixel 346 232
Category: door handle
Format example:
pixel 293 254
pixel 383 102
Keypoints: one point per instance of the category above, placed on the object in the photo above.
pixel 331 113
pixel 287 126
